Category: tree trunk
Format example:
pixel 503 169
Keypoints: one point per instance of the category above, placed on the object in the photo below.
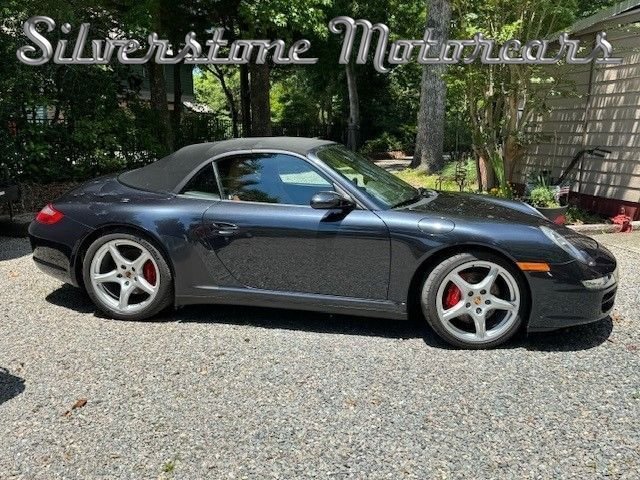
pixel 486 177
pixel 178 108
pixel 245 100
pixel 159 104
pixel 353 124
pixel 513 153
pixel 260 103
pixel 433 95
pixel 231 101
pixel 329 118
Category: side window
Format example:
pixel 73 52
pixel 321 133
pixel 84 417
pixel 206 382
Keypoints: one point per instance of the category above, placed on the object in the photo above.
pixel 294 171
pixel 270 178
pixel 203 184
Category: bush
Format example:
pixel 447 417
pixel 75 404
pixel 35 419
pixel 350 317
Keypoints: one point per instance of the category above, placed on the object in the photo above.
pixel 384 143
pixel 542 196
pixel 577 216
pixel 401 139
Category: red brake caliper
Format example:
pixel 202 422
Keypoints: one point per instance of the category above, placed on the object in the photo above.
pixel 452 296
pixel 149 272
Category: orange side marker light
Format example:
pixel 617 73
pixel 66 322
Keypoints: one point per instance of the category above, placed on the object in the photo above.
pixel 534 266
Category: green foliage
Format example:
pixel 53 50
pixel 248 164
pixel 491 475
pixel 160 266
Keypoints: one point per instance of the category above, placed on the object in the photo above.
pixel 449 170
pixel 293 100
pixel 67 122
pixel 401 139
pixel 265 16
pixel 505 191
pixel 94 125
pixel 383 143
pixel 209 92
pixel 542 196
pixel 578 216
pixel 502 101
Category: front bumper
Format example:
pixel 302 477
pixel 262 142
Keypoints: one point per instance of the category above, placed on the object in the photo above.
pixel 561 299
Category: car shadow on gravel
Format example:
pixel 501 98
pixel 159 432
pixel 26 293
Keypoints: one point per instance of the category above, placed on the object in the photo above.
pixel 10 385
pixel 68 296
pixel 577 338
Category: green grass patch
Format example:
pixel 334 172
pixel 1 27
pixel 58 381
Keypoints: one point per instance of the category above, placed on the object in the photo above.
pixel 418 177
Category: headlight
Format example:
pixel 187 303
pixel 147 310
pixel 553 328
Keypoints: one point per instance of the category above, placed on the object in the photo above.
pixel 602 282
pixel 565 244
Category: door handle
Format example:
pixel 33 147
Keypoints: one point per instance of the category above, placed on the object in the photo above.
pixel 225 229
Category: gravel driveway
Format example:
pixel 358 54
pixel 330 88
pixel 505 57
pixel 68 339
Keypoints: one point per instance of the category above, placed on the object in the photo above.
pixel 212 392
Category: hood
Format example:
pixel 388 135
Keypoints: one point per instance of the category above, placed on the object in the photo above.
pixel 477 207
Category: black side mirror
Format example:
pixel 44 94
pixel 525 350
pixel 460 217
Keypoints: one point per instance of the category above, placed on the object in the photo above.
pixel 331 201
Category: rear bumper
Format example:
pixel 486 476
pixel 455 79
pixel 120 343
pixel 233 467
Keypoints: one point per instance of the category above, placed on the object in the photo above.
pixel 55 248
pixel 54 262
pixel 560 299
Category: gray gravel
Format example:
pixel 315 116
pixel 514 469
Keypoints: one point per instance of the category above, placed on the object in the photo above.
pixel 221 392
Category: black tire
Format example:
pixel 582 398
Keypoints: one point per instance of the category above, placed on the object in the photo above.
pixel 437 276
pixel 164 295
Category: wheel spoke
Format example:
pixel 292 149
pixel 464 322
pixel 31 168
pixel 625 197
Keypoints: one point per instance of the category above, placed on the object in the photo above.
pixel 487 282
pixel 481 326
pixel 500 304
pixel 146 286
pixel 141 260
pixel 117 256
pixel 125 293
pixel 461 283
pixel 453 312
pixel 111 276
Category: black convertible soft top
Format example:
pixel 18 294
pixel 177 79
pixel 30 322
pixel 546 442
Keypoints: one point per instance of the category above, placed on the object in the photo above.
pixel 166 174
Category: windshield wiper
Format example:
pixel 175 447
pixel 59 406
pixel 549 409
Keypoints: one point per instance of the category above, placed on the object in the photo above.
pixel 422 192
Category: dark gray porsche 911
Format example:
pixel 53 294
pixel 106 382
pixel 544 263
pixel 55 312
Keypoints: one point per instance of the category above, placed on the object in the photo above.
pixel 306 224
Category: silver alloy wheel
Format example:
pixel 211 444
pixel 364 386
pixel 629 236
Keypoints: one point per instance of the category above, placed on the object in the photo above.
pixel 124 279
pixel 479 302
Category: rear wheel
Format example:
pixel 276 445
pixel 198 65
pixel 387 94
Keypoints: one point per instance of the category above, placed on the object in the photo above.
pixel 474 300
pixel 127 277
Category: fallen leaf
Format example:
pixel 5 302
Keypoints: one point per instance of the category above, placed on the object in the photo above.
pixel 81 402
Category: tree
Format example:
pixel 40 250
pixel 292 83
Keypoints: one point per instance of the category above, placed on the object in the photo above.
pixel 353 124
pixel 503 100
pixel 433 92
pixel 218 87
pixel 284 19
pixel 260 105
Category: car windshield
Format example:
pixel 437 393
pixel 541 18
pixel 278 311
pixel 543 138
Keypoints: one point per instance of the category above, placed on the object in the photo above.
pixel 381 186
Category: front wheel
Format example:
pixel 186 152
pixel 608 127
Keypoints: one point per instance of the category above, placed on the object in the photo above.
pixel 474 300
pixel 127 277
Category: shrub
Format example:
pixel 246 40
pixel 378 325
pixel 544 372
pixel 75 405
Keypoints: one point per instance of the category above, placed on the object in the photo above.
pixel 383 143
pixel 542 196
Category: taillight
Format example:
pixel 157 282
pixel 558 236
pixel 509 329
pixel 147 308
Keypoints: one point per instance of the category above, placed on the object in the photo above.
pixel 49 215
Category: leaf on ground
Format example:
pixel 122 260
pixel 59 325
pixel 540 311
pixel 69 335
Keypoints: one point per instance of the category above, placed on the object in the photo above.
pixel 81 402
pixel 616 316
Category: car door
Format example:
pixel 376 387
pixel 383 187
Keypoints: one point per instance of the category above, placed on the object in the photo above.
pixel 268 237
